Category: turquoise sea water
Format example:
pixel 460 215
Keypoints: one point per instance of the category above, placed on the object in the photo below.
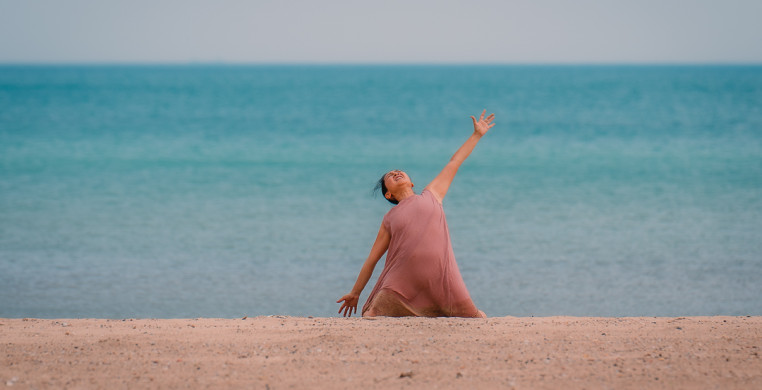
pixel 224 191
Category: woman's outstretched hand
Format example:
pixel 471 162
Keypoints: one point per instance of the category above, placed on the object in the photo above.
pixel 483 125
pixel 350 304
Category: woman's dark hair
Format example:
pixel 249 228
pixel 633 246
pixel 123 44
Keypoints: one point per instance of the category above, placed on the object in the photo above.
pixel 381 185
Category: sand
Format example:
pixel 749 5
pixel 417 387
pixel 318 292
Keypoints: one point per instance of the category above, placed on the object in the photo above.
pixel 278 352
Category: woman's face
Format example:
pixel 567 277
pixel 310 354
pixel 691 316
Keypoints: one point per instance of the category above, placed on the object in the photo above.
pixel 395 180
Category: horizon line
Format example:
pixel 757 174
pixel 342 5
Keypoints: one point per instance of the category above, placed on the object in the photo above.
pixel 368 63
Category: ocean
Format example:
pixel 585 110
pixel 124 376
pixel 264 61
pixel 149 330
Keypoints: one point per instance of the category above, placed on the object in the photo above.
pixel 229 191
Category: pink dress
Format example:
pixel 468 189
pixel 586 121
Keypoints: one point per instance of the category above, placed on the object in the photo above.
pixel 420 275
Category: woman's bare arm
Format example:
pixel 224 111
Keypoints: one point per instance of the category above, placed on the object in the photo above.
pixel 379 248
pixel 441 183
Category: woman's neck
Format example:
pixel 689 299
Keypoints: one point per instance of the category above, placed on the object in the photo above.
pixel 404 194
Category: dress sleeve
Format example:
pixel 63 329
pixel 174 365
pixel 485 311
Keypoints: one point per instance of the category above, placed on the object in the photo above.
pixel 385 221
pixel 428 194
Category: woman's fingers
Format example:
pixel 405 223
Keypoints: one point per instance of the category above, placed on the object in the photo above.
pixel 348 310
pixel 349 304
pixel 481 117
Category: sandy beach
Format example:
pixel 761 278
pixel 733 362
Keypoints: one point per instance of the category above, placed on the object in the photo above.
pixel 278 352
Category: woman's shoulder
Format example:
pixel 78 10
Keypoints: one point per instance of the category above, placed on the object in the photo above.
pixel 427 193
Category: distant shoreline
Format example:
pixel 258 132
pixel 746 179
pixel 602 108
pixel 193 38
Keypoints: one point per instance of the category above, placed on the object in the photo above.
pixel 280 351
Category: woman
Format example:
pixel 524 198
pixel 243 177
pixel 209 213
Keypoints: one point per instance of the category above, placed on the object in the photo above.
pixel 420 276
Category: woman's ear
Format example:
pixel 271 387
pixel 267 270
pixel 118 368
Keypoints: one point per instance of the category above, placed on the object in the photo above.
pixel 388 195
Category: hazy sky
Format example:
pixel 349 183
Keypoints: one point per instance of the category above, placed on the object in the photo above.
pixel 382 31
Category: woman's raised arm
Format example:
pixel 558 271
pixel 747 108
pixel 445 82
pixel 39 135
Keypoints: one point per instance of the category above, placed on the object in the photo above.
pixel 441 183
